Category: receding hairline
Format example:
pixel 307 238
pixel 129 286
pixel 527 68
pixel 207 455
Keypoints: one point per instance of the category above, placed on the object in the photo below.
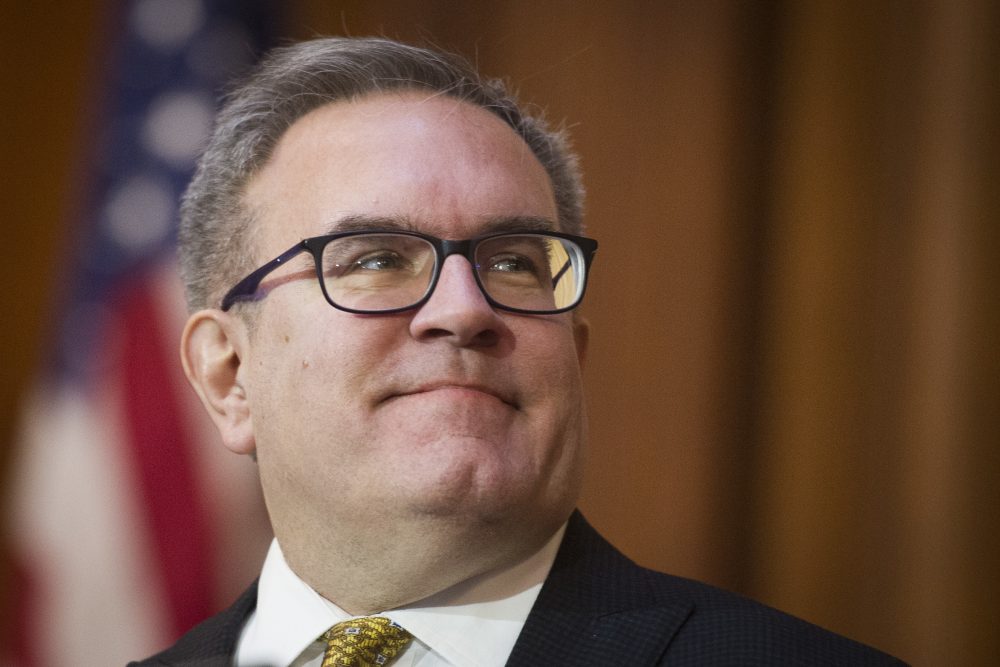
pixel 293 81
pixel 415 94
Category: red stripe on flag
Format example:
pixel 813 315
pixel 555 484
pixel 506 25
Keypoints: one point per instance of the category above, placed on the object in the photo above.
pixel 165 464
pixel 22 616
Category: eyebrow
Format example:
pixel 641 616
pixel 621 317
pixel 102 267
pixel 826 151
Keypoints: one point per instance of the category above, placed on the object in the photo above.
pixel 495 224
pixel 359 222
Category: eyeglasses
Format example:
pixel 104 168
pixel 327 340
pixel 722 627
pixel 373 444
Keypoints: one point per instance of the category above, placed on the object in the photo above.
pixel 388 272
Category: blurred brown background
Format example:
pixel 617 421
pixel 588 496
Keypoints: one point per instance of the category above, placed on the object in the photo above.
pixel 794 379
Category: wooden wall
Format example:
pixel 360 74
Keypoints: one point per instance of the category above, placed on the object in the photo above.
pixel 793 380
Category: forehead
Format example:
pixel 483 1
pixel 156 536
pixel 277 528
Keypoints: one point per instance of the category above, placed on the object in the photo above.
pixel 441 165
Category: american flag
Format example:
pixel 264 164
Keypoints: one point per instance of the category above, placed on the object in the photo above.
pixel 130 522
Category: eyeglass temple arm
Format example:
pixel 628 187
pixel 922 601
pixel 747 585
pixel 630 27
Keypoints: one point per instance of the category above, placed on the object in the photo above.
pixel 247 288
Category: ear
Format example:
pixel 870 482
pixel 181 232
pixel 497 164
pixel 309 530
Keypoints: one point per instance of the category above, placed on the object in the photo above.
pixel 581 334
pixel 211 350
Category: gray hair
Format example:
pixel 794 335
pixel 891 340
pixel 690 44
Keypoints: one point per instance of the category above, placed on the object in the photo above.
pixel 215 232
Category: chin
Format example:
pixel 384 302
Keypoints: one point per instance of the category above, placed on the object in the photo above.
pixel 474 484
pixel 482 510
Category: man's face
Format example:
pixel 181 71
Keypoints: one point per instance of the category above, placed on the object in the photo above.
pixel 453 411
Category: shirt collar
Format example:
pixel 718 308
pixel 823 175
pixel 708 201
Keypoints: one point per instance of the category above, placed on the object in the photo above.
pixel 475 622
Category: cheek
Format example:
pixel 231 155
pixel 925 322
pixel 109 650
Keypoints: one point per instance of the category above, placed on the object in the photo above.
pixel 317 338
pixel 313 378
pixel 290 370
pixel 553 364
pixel 554 405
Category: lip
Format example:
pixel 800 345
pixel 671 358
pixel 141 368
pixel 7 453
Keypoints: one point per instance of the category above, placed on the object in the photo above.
pixel 428 387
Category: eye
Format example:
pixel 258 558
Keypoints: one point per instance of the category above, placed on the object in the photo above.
pixel 381 261
pixel 510 263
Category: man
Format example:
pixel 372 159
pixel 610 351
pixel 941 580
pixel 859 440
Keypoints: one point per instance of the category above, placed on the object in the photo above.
pixel 382 257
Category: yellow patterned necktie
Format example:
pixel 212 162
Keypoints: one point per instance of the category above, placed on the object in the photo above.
pixel 372 641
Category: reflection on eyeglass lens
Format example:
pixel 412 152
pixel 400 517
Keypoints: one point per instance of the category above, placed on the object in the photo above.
pixel 384 271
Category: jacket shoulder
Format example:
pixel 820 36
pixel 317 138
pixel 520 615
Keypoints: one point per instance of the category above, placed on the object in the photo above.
pixel 211 643
pixel 725 628
pixel 609 604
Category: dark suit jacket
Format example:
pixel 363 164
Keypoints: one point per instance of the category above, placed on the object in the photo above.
pixel 599 608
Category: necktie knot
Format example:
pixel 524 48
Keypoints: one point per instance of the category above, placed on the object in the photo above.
pixel 371 641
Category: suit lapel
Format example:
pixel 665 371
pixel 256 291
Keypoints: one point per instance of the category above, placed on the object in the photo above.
pixel 597 608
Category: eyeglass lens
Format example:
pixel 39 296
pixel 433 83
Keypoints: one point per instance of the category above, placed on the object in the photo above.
pixel 385 271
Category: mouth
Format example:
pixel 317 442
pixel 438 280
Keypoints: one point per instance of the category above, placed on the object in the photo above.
pixel 456 388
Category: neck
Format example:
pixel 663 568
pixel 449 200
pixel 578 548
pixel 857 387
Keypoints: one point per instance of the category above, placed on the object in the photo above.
pixel 363 575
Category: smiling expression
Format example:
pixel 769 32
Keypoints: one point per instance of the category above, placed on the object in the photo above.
pixel 451 411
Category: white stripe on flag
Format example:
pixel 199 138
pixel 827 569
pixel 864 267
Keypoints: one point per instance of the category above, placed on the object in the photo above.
pixel 78 532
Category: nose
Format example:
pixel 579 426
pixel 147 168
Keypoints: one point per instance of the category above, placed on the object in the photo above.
pixel 457 311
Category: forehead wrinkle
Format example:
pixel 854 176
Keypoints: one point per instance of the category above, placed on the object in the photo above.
pixel 488 225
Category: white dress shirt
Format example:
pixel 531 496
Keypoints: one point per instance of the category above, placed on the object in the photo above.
pixel 473 624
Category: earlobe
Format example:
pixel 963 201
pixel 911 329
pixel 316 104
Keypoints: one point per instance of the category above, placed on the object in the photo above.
pixel 211 348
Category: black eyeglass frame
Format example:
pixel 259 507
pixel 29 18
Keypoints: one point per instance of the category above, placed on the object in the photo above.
pixel 247 288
